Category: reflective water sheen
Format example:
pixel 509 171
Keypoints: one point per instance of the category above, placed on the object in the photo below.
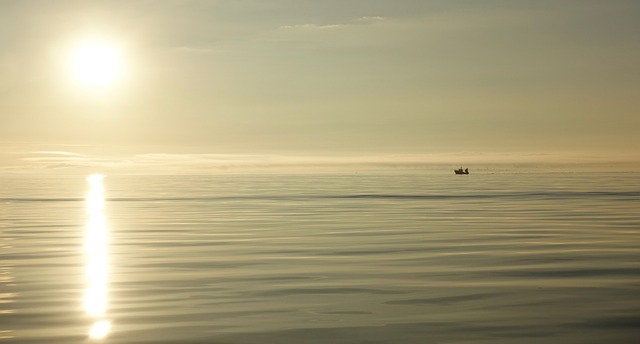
pixel 97 259
pixel 495 258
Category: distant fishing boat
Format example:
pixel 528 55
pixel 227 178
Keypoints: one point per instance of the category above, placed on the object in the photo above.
pixel 461 171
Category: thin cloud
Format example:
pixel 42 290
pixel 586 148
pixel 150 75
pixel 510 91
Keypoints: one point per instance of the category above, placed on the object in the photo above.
pixel 312 26
pixel 63 153
pixel 201 50
pixel 370 19
pixel 52 159
pixel 57 158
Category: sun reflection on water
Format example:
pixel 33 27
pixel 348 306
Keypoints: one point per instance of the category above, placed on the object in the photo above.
pixel 97 259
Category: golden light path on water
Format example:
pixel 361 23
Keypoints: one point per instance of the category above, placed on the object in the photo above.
pixel 97 259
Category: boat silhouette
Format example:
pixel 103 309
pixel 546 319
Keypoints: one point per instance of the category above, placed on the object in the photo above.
pixel 461 171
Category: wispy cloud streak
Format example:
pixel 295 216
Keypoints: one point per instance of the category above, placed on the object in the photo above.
pixel 315 26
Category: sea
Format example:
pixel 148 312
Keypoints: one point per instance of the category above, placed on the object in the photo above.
pixel 303 258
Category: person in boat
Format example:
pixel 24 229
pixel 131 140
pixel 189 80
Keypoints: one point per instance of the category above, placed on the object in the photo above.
pixel 461 171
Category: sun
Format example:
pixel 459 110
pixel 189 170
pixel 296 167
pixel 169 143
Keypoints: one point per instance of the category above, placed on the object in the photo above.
pixel 96 64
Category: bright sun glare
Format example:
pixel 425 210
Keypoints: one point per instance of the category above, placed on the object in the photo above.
pixel 96 64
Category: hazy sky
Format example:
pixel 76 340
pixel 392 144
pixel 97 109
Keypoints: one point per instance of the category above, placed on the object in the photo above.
pixel 250 79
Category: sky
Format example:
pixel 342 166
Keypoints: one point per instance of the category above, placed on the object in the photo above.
pixel 286 82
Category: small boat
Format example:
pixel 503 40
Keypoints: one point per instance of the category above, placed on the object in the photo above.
pixel 461 171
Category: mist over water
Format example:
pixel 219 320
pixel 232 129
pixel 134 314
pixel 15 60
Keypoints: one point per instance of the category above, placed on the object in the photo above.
pixel 483 258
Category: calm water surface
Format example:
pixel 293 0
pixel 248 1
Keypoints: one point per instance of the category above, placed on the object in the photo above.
pixel 502 258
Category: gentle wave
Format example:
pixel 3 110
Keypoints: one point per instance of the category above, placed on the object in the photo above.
pixel 621 195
